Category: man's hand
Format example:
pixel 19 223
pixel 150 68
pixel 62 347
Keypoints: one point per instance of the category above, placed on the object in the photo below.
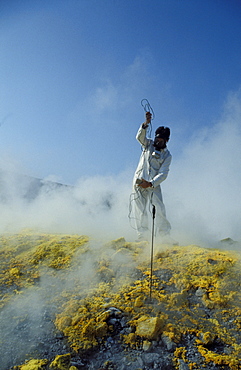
pixel 148 118
pixel 145 184
pixel 147 121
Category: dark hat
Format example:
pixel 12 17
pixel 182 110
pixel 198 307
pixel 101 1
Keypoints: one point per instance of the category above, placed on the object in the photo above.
pixel 163 132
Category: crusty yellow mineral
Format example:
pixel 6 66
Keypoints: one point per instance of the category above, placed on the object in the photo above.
pixel 139 301
pixel 61 362
pixel 15 272
pixel 149 327
pixel 195 292
pixel 146 345
pixel 34 365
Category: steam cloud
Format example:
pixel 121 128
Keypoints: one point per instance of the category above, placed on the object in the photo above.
pixel 201 194
pixel 203 199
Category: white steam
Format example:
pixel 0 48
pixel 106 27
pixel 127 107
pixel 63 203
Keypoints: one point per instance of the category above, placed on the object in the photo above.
pixel 96 206
pixel 203 198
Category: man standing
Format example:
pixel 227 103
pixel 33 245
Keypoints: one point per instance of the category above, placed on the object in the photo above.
pixel 152 169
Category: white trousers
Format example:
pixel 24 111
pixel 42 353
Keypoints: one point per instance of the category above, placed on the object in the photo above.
pixel 144 199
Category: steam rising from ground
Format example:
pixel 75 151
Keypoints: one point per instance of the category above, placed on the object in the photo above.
pixel 26 321
pixel 201 194
pixel 203 199
pixel 96 206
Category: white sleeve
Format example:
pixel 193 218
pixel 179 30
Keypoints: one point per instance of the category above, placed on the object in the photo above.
pixel 162 175
pixel 141 137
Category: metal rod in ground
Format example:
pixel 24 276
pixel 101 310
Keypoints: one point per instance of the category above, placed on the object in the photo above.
pixel 152 246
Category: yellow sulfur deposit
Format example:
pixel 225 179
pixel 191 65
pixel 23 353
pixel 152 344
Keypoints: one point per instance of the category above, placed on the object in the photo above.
pixel 149 327
pixel 23 255
pixel 197 278
pixel 33 365
pixel 61 362
pixel 98 297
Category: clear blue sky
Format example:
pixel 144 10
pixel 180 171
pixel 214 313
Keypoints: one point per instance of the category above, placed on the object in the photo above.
pixel 73 73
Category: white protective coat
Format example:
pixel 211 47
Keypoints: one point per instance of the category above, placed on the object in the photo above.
pixel 154 167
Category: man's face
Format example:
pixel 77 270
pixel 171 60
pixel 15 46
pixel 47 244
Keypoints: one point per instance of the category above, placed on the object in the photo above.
pixel 160 143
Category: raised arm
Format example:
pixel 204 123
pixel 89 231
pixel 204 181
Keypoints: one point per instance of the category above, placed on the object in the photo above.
pixel 141 133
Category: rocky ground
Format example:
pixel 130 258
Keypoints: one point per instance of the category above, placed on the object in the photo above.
pixel 71 303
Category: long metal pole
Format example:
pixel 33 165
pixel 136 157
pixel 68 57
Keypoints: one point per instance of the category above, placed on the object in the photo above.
pixel 152 245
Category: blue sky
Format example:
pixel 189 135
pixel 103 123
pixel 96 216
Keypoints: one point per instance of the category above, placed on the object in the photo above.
pixel 73 74
pixel 72 77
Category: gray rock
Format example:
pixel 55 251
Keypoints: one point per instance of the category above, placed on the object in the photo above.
pixel 150 358
pixel 113 321
pixel 122 367
pixel 183 365
pixel 140 361
pixel 200 292
pixel 146 346
pixel 168 342
pixel 123 322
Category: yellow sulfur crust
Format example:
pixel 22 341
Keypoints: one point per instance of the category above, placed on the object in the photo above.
pixel 187 282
